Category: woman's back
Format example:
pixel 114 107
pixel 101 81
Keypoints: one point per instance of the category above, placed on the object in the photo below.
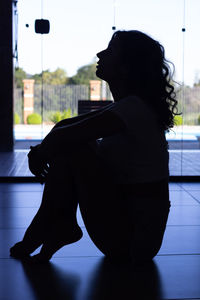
pixel 139 153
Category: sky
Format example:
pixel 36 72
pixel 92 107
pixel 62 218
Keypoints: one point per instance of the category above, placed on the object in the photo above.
pixel 81 28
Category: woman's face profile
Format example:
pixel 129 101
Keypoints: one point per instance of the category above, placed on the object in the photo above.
pixel 108 66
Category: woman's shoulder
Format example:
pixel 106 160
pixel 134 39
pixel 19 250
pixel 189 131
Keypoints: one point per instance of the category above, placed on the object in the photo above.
pixel 138 107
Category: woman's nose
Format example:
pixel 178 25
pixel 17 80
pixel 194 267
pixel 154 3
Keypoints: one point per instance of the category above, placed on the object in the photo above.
pixel 99 54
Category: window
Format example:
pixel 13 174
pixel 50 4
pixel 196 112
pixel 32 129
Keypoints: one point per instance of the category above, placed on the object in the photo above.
pixel 78 30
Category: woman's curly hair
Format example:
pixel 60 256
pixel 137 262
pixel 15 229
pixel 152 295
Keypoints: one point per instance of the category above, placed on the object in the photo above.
pixel 148 73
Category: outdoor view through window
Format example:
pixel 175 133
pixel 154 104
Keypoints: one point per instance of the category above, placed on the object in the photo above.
pixel 56 70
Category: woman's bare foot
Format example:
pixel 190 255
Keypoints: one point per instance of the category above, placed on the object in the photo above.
pixel 33 237
pixel 55 241
pixel 52 239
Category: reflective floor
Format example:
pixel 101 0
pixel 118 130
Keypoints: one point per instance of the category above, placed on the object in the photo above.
pixel 80 271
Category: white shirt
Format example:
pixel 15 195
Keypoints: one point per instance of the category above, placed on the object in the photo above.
pixel 139 153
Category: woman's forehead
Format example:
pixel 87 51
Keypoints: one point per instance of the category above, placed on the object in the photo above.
pixel 114 43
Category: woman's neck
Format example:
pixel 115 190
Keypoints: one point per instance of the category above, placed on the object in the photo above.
pixel 120 90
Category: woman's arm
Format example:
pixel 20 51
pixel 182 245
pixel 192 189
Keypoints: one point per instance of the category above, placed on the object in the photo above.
pixel 81 117
pixel 67 138
pixel 100 124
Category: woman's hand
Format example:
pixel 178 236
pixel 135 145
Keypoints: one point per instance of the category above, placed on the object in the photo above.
pixel 38 163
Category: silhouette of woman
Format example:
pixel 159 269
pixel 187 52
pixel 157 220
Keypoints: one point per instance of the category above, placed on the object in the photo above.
pixel 113 162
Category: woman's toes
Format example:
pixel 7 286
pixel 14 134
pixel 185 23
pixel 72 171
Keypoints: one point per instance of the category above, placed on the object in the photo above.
pixel 23 249
pixel 19 250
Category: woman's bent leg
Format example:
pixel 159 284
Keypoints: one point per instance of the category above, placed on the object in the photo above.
pixel 149 204
pixel 122 221
pixel 55 223
pixel 102 205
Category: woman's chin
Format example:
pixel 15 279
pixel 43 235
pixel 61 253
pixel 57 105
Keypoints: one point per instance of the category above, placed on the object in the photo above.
pixel 99 74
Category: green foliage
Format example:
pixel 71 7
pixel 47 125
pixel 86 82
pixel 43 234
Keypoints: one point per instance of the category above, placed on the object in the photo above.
pixel 34 119
pixel 37 78
pixel 55 117
pixel 19 75
pixel 178 120
pixel 198 120
pixel 58 116
pixel 16 118
pixel 67 114
pixel 84 75
pixel 58 77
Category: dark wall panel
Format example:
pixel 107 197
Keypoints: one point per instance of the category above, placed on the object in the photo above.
pixel 6 76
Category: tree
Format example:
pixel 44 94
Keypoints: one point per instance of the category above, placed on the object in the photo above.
pixel 196 83
pixel 19 75
pixel 58 77
pixel 84 75
pixel 37 78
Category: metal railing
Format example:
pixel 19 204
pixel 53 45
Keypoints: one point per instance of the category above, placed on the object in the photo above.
pixel 63 97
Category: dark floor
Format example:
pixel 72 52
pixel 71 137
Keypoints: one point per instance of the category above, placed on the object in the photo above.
pixel 80 271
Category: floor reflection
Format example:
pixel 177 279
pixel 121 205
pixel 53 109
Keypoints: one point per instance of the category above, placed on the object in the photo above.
pixel 50 282
pixel 107 280
pixel 123 281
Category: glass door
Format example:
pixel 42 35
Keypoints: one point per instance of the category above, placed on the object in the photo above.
pixel 58 69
